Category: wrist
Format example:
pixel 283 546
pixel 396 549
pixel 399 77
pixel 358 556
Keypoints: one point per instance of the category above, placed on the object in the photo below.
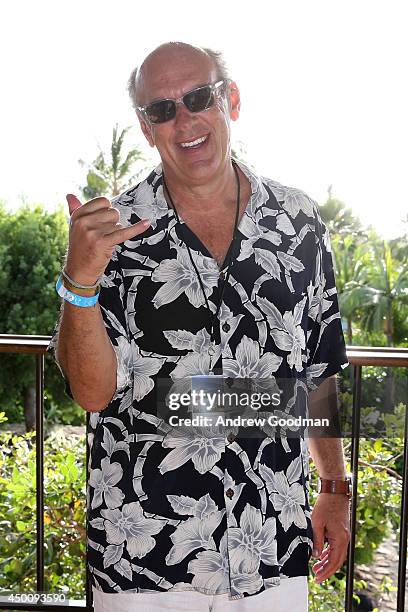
pixel 81 278
pixel 342 486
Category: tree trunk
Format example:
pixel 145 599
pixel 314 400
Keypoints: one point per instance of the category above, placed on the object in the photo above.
pixel 29 407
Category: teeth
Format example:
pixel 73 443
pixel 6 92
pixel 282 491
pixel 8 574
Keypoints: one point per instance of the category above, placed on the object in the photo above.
pixel 194 142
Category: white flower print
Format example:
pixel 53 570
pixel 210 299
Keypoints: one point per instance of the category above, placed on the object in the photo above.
pixel 182 504
pixel 248 364
pixel 194 364
pixel 287 331
pixel 144 204
pixel 286 494
pixel 194 533
pixel 143 368
pixel 203 445
pixel 252 542
pixel 179 276
pixel 254 232
pixel 130 525
pixel 211 569
pixel 157 495
pixel 103 481
pixel 245 583
pixel 293 200
pixel 187 341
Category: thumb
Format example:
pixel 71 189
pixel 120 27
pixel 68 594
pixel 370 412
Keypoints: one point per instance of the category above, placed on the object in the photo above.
pixel 73 202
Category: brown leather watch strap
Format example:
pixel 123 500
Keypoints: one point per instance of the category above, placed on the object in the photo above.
pixel 335 486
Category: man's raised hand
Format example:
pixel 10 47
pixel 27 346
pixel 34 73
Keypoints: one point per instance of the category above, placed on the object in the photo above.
pixel 94 232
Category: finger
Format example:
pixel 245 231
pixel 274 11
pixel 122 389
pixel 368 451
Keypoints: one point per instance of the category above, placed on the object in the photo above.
pixel 334 562
pixel 324 554
pixel 121 235
pixel 73 202
pixel 102 216
pixel 322 560
pixel 95 204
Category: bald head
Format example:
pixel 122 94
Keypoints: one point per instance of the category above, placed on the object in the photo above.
pixel 172 60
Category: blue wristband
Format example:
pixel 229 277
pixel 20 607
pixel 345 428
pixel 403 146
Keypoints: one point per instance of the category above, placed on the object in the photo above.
pixel 73 298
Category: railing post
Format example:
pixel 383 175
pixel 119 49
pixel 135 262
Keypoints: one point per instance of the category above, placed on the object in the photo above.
pixel 355 446
pixel 39 464
pixel 402 557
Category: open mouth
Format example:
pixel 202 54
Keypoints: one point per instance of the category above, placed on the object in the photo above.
pixel 193 144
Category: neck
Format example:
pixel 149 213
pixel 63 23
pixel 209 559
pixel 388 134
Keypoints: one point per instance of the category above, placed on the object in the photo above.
pixel 207 196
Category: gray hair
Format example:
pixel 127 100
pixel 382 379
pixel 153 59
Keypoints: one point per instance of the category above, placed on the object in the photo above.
pixel 219 63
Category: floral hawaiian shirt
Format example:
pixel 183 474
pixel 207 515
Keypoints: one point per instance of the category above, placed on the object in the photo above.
pixel 207 509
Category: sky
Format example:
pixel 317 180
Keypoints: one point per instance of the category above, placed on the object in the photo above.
pixel 324 93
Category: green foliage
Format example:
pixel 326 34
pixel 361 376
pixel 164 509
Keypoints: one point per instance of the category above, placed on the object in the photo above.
pixel 372 282
pixel 338 218
pixel 379 492
pixel 64 483
pixel 32 249
pixel 111 177
pixel 379 499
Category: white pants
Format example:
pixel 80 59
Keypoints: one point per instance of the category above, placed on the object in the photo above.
pixel 289 596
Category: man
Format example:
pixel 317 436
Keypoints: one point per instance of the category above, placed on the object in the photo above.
pixel 205 268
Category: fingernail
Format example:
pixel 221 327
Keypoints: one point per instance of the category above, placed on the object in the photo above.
pixel 145 222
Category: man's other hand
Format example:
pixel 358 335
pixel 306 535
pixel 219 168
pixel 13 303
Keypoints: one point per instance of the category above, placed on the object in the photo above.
pixel 94 232
pixel 331 523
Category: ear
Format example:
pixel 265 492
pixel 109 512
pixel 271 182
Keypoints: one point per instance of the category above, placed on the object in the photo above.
pixel 234 100
pixel 147 130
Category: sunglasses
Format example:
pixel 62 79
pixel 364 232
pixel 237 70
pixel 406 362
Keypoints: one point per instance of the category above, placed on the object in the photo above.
pixel 196 100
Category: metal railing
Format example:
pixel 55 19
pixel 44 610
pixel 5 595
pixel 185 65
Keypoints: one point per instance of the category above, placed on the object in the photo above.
pixel 37 345
pixel 358 358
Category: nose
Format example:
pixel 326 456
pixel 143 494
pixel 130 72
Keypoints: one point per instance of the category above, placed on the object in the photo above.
pixel 183 115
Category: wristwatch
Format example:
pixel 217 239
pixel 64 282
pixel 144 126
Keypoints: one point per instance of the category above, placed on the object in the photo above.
pixel 344 487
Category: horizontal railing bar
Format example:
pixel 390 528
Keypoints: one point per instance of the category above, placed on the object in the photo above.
pixel 385 358
pixel 357 355
pixel 373 349
pixel 38 344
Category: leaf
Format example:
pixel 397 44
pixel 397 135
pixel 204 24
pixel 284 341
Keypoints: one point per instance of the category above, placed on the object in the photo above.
pixel 21 526
pixel 182 504
pixel 112 554
pixel 124 568
pixel 179 339
pixel 294 470
pixel 290 262
pixel 205 506
pixel 274 316
pixel 267 260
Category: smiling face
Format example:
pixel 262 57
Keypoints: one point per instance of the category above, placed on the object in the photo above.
pixel 194 147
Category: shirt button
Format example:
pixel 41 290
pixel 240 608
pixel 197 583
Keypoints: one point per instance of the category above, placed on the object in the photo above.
pixel 222 276
pixel 229 493
pixel 226 327
pixel 231 437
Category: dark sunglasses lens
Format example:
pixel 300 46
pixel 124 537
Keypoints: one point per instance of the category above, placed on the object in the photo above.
pixel 161 111
pixel 199 99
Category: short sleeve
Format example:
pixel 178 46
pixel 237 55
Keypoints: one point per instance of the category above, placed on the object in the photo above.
pixel 326 349
pixel 112 302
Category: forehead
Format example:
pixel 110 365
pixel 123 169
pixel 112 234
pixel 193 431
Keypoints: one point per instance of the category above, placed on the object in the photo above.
pixel 172 73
